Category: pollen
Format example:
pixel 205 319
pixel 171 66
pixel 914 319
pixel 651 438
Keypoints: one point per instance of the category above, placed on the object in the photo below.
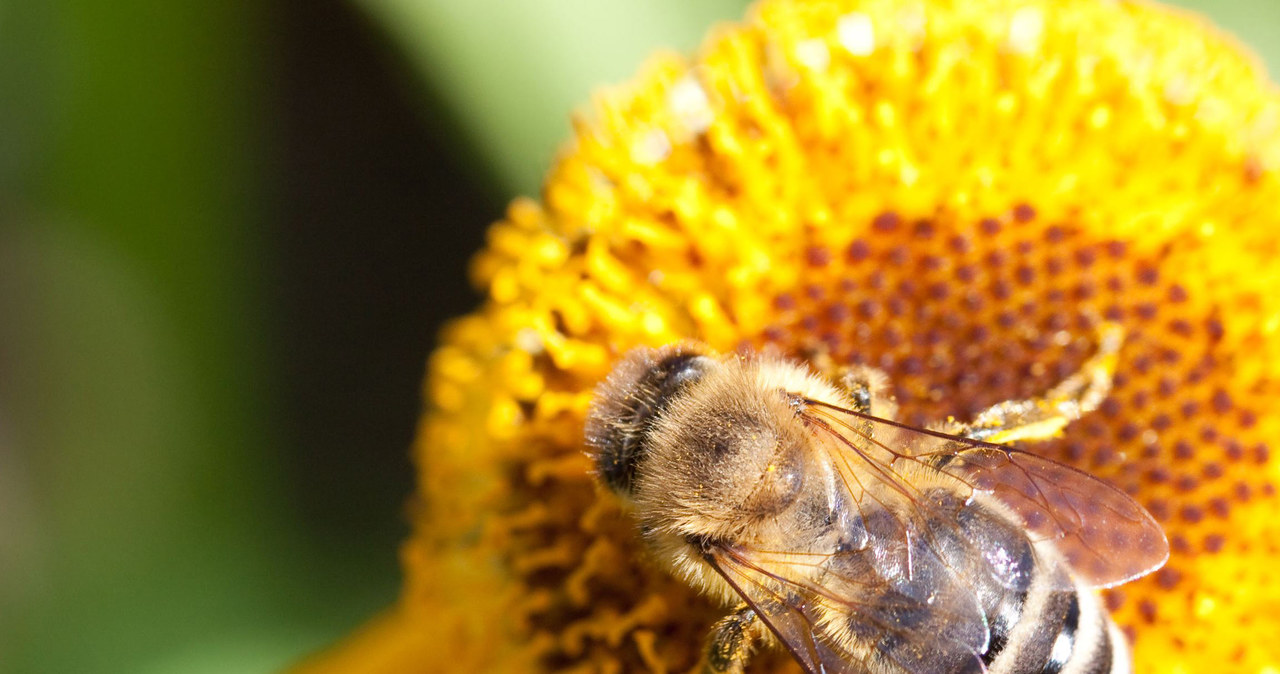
pixel 959 194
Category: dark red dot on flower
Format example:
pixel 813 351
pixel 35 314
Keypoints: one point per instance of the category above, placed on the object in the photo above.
pixel 886 222
pixel 1168 578
pixel 1024 274
pixel 1147 610
pixel 1148 275
pixel 817 256
pixel 1221 401
pixel 1213 543
pixel 1159 509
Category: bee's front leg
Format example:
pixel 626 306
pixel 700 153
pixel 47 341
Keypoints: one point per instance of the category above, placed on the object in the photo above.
pixel 866 387
pixel 730 642
pixel 868 390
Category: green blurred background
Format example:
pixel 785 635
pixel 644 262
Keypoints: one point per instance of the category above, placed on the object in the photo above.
pixel 228 233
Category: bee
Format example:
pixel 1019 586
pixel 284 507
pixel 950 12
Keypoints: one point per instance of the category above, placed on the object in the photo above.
pixel 862 544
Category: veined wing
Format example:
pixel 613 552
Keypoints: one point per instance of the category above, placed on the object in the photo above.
pixel 1105 536
pixel 847 622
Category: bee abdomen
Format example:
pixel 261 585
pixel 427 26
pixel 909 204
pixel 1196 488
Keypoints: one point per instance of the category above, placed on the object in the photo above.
pixel 1036 627
pixel 1059 633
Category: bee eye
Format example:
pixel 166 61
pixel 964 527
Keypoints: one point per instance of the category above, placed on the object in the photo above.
pixel 675 372
pixel 641 389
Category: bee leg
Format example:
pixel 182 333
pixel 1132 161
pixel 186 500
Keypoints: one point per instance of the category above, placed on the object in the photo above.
pixel 729 644
pixel 1044 418
pixel 868 390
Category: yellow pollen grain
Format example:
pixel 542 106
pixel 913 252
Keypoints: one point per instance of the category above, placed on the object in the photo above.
pixel 505 286
pixel 447 396
pixel 549 252
pixel 1100 116
pixel 607 308
pixel 608 270
pixel 652 324
pixel 504 417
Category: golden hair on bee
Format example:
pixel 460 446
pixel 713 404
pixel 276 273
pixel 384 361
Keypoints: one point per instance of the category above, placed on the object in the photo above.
pixel 859 543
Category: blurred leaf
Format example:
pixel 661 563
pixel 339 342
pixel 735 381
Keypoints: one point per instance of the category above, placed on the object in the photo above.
pixel 512 71
pixel 1256 23
pixel 133 378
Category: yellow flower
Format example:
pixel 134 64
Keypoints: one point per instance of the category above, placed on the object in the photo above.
pixel 952 190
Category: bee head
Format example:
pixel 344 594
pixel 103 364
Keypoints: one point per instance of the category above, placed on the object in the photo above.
pixel 724 457
pixel 637 392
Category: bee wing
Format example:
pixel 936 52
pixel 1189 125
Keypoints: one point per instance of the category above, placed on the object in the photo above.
pixel 788 616
pixel 851 623
pixel 1105 536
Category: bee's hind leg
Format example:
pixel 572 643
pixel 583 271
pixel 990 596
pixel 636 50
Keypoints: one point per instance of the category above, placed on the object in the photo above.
pixel 730 643
pixel 1044 418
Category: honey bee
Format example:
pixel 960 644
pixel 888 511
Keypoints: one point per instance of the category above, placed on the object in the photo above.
pixel 862 544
